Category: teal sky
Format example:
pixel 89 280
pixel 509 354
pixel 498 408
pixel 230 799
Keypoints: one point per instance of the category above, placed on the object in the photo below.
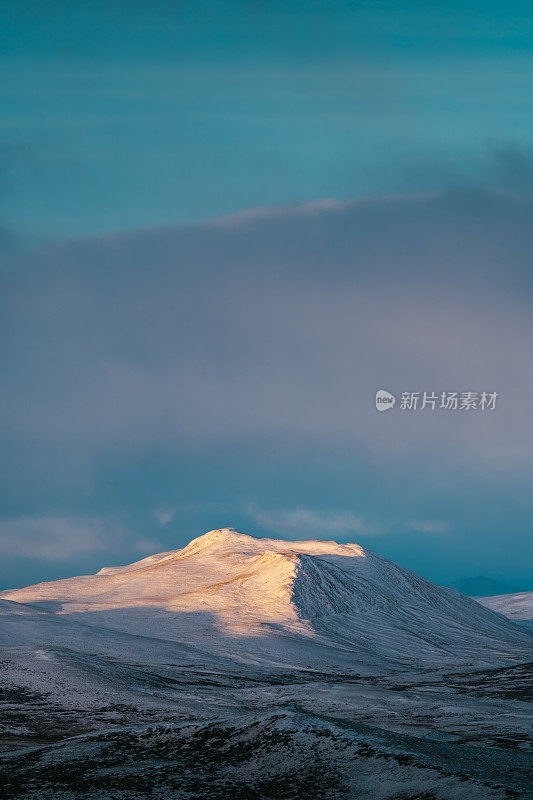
pixel 118 118
pixel 186 374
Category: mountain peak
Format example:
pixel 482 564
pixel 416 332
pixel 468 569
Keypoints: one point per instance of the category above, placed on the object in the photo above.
pixel 219 536
pixel 222 533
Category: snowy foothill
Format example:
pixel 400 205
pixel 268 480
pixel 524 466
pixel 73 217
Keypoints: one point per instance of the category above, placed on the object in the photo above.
pixel 518 605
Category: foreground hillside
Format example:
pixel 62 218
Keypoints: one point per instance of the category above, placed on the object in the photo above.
pixel 246 668
pixel 289 754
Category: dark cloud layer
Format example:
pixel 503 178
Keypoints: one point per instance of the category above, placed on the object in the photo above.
pixel 228 370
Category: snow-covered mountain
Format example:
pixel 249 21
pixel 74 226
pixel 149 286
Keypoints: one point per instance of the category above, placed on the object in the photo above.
pixel 314 604
pixel 481 586
pixel 245 667
pixel 517 605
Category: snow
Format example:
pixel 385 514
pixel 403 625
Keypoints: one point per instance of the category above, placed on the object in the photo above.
pixel 216 642
pixel 518 605
pixel 285 602
pixel 289 754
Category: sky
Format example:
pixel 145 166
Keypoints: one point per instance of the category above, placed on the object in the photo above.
pixel 224 227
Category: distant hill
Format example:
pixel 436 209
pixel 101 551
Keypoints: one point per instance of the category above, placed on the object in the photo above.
pixel 480 586
pixel 517 605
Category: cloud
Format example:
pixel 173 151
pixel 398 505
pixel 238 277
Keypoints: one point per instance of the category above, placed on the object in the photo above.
pixel 428 525
pixel 64 538
pixel 511 167
pixel 55 537
pixel 278 325
pixel 164 515
pixel 190 369
pixel 309 522
pixel 316 522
